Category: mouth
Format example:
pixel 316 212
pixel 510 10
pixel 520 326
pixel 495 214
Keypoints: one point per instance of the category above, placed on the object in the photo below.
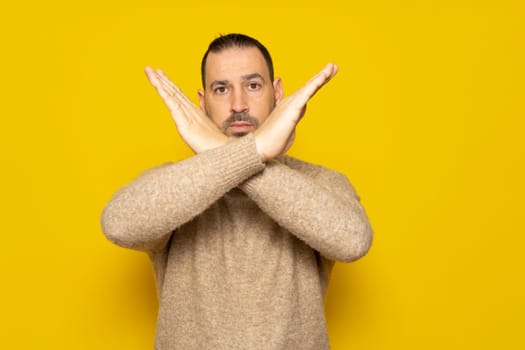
pixel 240 126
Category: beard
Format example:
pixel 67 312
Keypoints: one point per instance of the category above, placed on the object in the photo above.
pixel 239 117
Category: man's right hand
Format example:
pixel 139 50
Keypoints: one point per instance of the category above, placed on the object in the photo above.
pixel 195 128
pixel 277 133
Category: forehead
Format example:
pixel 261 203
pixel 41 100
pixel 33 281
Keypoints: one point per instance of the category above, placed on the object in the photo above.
pixel 233 63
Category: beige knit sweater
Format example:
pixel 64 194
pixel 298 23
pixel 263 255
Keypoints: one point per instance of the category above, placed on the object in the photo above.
pixel 242 250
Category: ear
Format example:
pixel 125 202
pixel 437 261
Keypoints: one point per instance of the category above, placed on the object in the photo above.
pixel 278 89
pixel 202 103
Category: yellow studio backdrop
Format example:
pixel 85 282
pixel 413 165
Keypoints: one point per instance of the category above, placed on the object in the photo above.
pixel 425 117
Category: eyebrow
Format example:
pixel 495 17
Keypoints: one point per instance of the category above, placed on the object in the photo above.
pixel 218 82
pixel 244 77
pixel 252 76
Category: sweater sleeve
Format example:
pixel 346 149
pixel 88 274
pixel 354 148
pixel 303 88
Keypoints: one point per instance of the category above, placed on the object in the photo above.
pixel 143 214
pixel 322 210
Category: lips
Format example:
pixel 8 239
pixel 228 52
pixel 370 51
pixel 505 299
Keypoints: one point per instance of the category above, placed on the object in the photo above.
pixel 240 128
pixel 240 124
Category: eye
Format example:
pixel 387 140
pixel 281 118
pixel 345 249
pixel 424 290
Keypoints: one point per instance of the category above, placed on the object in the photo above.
pixel 220 90
pixel 254 86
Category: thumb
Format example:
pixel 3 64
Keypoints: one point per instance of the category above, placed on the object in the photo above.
pixel 289 142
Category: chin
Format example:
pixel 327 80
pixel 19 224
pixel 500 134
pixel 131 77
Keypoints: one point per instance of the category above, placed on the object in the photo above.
pixel 239 134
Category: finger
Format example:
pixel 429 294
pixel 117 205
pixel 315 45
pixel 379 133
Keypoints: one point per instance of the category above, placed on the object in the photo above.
pixel 173 89
pixel 162 89
pixel 165 83
pixel 316 82
pixel 320 79
pixel 157 82
pixel 176 101
pixel 152 76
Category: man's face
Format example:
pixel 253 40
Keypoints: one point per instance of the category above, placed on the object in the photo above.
pixel 238 95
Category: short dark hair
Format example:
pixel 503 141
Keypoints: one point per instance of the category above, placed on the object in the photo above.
pixel 235 40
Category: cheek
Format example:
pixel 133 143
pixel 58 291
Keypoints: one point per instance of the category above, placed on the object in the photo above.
pixel 266 107
pixel 217 112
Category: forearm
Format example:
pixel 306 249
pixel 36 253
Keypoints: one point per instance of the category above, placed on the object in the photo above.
pixel 324 212
pixel 143 214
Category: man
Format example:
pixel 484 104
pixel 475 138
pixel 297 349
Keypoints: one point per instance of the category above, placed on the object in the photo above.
pixel 242 238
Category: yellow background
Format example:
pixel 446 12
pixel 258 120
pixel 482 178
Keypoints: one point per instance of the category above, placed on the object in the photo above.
pixel 425 117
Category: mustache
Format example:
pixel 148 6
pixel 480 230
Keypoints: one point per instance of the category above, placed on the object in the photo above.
pixel 240 117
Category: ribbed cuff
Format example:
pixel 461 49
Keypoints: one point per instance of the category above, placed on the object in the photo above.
pixel 274 167
pixel 238 160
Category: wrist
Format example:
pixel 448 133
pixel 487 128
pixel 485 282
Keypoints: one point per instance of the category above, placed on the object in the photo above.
pixel 212 143
pixel 259 145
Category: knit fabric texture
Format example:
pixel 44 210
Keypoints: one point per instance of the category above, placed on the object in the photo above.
pixel 242 250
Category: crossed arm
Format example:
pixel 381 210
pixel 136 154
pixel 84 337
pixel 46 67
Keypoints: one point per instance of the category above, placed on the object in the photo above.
pixel 143 214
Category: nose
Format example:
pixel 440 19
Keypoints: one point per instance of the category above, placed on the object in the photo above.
pixel 239 102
